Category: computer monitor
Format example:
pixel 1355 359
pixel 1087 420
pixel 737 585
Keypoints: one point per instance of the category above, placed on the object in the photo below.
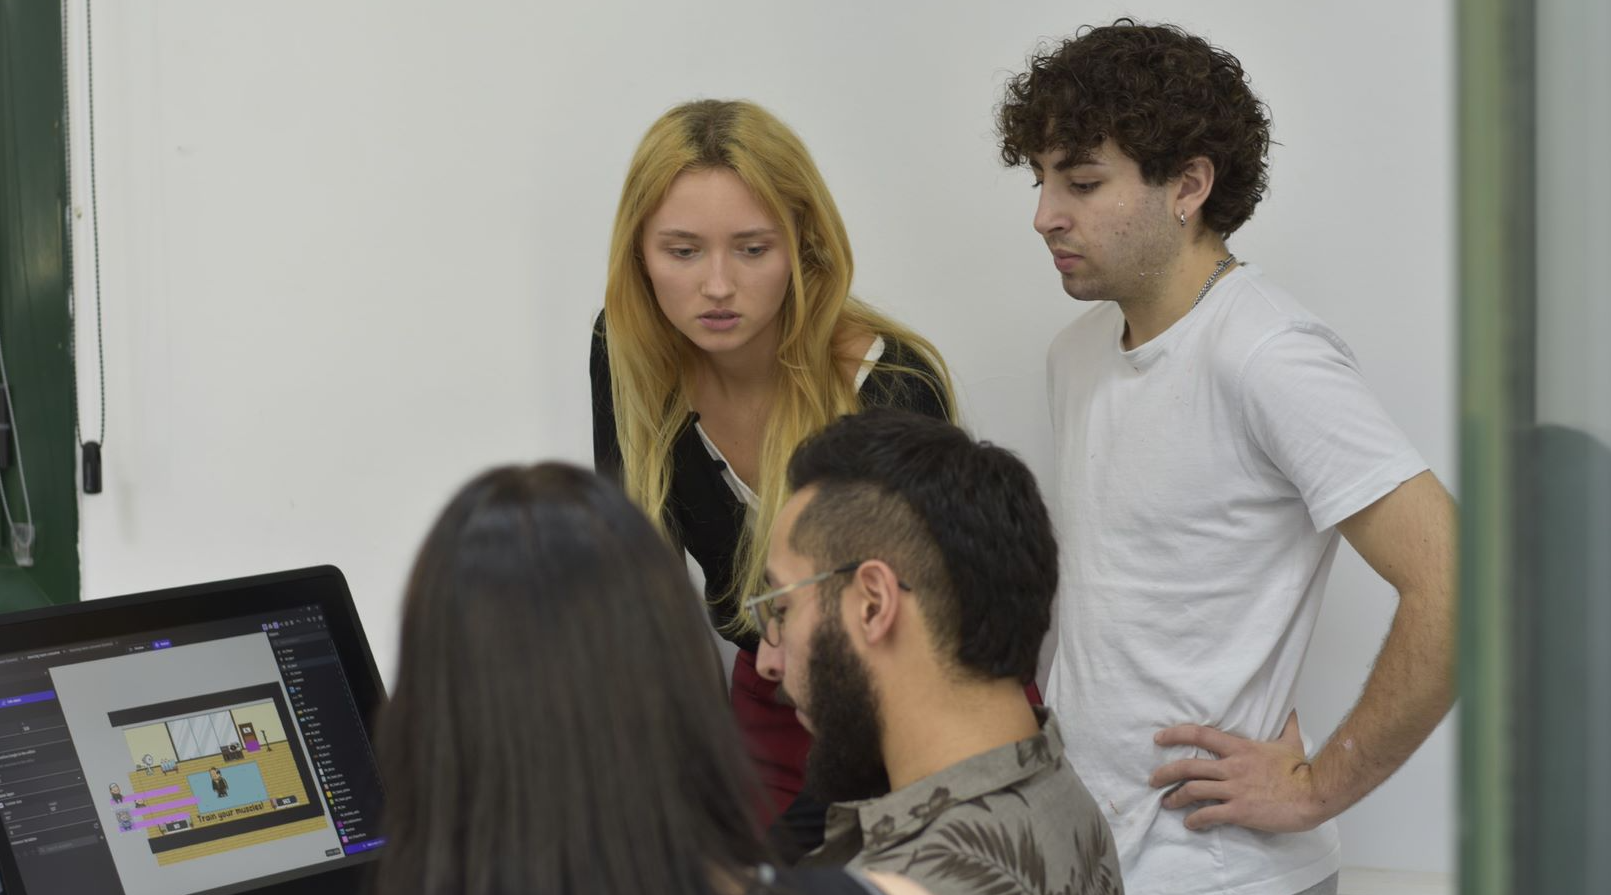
pixel 206 739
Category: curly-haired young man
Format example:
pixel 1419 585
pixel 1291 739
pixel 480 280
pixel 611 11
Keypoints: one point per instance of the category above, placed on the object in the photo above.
pixel 1213 439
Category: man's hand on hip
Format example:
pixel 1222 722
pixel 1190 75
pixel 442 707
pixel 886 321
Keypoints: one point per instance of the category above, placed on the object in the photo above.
pixel 1263 786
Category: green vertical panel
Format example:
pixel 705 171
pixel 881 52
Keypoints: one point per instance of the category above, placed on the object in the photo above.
pixel 1560 852
pixel 1565 719
pixel 34 319
pixel 1536 447
pixel 1496 285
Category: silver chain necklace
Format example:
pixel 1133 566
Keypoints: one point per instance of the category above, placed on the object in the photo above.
pixel 1218 269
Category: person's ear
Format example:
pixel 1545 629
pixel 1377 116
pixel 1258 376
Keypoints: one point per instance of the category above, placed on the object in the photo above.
pixel 878 600
pixel 1192 188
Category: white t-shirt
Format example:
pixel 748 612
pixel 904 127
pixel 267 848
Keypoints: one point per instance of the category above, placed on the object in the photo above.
pixel 1200 478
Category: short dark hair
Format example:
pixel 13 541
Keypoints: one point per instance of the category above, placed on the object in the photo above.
pixel 559 722
pixel 1162 95
pixel 961 521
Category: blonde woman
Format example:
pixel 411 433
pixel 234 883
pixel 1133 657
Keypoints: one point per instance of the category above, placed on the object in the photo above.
pixel 728 336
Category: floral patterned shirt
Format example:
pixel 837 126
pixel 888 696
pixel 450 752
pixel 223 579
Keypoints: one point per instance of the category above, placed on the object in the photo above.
pixel 1012 821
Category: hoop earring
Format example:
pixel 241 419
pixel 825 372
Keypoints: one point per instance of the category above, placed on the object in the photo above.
pixel 1182 219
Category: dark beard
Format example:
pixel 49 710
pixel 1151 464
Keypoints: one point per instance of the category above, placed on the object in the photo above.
pixel 846 762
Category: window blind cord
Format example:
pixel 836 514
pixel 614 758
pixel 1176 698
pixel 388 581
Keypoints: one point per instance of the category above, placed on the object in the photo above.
pixel 91 449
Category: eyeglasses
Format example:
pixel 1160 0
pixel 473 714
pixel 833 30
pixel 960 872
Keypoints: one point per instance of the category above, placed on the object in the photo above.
pixel 763 611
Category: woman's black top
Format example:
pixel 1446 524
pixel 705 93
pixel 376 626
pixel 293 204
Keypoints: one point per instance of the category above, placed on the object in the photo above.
pixel 702 512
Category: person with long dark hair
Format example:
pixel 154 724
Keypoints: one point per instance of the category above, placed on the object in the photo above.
pixel 558 724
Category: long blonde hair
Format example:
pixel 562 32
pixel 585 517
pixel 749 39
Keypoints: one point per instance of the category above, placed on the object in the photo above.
pixel 652 365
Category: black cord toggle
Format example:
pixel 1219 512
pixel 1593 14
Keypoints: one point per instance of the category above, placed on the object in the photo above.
pixel 92 467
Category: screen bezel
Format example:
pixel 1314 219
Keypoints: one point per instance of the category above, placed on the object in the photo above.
pixel 322 586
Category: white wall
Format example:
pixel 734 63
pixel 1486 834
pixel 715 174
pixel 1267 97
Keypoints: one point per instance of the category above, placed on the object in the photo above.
pixel 351 252
pixel 1574 92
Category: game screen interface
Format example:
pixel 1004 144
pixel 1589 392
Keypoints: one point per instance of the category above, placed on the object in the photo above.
pixel 192 760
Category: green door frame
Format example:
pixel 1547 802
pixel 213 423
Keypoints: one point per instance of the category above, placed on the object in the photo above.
pixel 1536 492
pixel 35 321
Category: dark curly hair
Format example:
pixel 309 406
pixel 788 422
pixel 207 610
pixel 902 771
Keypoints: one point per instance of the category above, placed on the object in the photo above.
pixel 1163 96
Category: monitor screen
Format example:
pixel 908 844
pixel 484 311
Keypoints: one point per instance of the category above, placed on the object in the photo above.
pixel 215 744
